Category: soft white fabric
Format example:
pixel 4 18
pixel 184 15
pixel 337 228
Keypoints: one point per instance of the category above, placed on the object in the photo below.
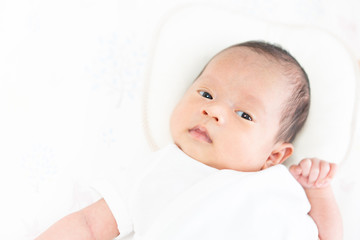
pixel 175 197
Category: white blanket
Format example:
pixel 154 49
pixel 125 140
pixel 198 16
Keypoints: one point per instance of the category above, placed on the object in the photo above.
pixel 229 205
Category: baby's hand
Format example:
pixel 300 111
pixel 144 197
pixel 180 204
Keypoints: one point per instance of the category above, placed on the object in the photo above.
pixel 313 173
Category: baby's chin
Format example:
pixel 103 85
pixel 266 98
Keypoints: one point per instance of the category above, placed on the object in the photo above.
pixel 200 156
pixel 178 145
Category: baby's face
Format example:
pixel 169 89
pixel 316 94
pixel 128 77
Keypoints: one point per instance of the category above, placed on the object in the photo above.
pixel 229 117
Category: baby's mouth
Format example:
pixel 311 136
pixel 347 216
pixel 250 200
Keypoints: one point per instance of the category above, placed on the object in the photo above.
pixel 200 133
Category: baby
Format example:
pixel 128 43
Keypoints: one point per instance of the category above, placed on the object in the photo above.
pixel 241 113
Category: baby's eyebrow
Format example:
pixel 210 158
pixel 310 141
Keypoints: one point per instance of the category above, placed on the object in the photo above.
pixel 253 100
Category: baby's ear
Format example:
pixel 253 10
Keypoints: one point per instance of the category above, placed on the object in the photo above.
pixel 281 152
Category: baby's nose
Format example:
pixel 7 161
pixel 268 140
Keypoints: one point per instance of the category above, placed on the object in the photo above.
pixel 206 114
pixel 216 112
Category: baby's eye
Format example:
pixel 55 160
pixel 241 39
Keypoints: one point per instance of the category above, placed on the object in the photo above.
pixel 205 94
pixel 244 115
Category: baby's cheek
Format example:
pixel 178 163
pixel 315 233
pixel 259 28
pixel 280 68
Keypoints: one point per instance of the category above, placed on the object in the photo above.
pixel 173 124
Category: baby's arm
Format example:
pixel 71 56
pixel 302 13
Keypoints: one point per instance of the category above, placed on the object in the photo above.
pixel 315 176
pixel 93 222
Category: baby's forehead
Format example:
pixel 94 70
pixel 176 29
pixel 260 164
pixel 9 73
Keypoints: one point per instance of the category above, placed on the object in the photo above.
pixel 246 56
pixel 242 57
pixel 252 65
pixel 245 53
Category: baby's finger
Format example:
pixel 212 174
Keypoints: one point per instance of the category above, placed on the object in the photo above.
pixel 295 170
pixel 332 172
pixel 305 165
pixel 314 171
pixel 324 171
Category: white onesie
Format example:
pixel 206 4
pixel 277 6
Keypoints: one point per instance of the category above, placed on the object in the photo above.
pixel 173 196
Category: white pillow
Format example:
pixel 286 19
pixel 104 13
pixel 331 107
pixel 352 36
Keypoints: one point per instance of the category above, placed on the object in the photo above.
pixel 191 36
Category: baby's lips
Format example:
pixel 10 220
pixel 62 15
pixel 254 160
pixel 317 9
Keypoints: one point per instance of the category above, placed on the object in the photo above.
pixel 200 133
